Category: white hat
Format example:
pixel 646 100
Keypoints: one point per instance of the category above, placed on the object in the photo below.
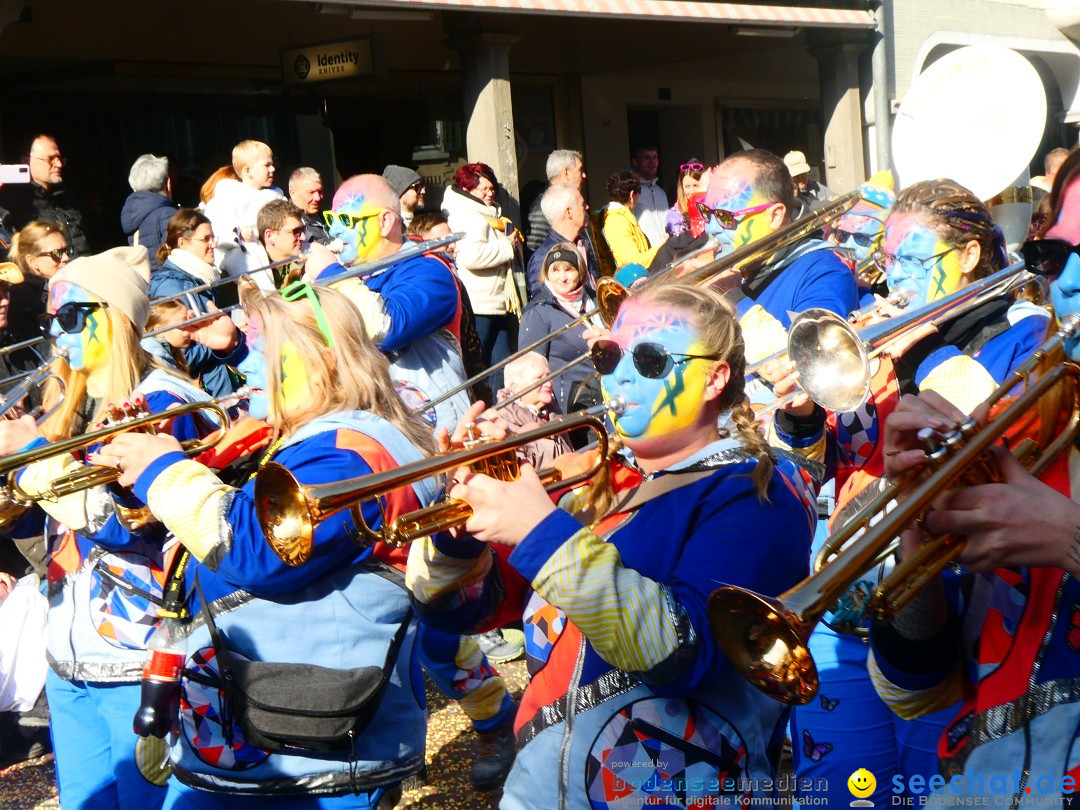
pixel 120 277
pixel 796 163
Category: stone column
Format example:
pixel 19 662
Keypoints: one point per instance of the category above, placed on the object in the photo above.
pixel 841 104
pixel 489 127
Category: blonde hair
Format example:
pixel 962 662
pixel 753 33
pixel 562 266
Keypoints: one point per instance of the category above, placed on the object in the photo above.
pixel 354 375
pixel 27 242
pixel 245 153
pixel 128 364
pixel 721 335
pixel 165 314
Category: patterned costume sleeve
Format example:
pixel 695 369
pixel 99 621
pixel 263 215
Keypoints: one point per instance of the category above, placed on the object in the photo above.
pixel 915 678
pixel 960 379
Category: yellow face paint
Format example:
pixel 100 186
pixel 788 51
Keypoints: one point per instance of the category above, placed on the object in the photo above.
pixel 295 390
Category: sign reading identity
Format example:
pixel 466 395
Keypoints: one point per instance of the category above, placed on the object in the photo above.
pixel 336 60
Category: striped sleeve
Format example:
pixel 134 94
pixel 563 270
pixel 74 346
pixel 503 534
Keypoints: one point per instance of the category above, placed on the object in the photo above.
pixel 916 701
pixel 432 575
pixel 85 512
pixel 189 499
pixel 633 622
pixel 961 380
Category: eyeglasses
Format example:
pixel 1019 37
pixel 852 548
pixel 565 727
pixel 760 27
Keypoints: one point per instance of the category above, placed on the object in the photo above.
pixel 58 254
pixel 885 261
pixel 302 289
pixel 295 233
pixel 650 359
pixel 206 240
pixel 418 187
pixel 692 167
pixel 348 220
pixel 1047 257
pixel 51 159
pixel 71 317
pixel 861 239
pixel 730 219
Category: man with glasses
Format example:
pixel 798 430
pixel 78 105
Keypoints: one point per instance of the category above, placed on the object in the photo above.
pixel 859 232
pixel 750 196
pixel 410 188
pixel 45 196
pixel 282 235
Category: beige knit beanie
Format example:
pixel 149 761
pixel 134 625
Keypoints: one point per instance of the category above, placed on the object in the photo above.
pixel 120 277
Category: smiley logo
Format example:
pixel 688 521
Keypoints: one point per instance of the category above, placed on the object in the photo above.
pixel 861 783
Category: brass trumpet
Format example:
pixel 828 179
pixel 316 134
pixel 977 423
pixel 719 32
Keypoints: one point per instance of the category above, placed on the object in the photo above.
pixel 289 511
pixel 93 475
pixel 766 638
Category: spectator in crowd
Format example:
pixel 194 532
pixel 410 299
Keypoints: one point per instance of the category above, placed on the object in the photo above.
pixel 564 209
pixel 532 409
pixel 281 235
pixel 628 243
pixel 24 729
pixel 39 250
pixel 45 197
pixel 19 361
pixel 806 190
pixel 235 205
pixel 677 221
pixel 408 307
pixel 563 297
pixel 206 192
pixel 1051 163
pixel 306 193
pixel 485 259
pixel 651 205
pixel 409 186
pixel 148 209
pixel 565 167
pixel 432 225
pixel 186 257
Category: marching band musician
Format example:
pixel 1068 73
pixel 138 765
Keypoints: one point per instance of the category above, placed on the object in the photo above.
pixel 1004 636
pixel 320 382
pixel 859 232
pixel 106 568
pixel 938 238
pixel 750 196
pixel 629 697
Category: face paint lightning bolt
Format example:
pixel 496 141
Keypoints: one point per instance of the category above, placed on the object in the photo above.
pixel 915 270
pixel 87 350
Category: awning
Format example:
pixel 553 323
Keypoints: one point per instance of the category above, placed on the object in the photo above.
pixel 671 10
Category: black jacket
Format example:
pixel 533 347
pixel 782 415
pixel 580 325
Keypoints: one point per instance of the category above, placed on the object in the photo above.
pixel 31 201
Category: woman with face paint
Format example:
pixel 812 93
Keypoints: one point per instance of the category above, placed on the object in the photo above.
pixel 629 695
pixel 326 390
pixel 1005 634
pixel 107 563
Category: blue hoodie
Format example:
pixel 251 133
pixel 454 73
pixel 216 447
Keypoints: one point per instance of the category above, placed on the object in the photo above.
pixel 148 213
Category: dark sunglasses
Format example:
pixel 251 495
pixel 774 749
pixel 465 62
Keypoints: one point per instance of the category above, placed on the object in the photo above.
pixel 692 167
pixel 418 186
pixel 58 254
pixel 348 220
pixel 1047 257
pixel 729 219
pixel 71 318
pixel 650 359
pixel 861 239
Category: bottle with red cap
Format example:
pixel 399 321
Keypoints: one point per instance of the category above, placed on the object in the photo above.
pixel 166 653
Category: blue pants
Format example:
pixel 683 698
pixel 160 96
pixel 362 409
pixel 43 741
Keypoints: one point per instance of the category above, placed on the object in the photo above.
pixel 847 726
pixel 95 746
pixel 181 797
pixel 498 335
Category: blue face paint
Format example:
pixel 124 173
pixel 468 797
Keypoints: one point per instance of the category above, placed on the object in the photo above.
pixel 363 235
pixel 866 225
pixel 914 245
pixel 254 370
pixel 87 350
pixel 1065 294
pixel 656 407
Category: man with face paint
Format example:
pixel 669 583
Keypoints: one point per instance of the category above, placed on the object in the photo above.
pixel 406 306
pixel 1012 643
pixel 859 232
pixel 751 195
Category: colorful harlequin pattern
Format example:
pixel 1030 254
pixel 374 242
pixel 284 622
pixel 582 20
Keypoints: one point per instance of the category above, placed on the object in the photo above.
pixel 666 752
pixel 543 624
pixel 126 616
pixel 207 721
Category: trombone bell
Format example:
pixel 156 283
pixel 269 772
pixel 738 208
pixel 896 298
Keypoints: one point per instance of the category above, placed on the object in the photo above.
pixel 765 642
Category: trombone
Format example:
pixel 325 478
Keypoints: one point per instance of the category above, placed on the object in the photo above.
pixel 93 475
pixel 363 271
pixel 289 511
pixel 766 638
